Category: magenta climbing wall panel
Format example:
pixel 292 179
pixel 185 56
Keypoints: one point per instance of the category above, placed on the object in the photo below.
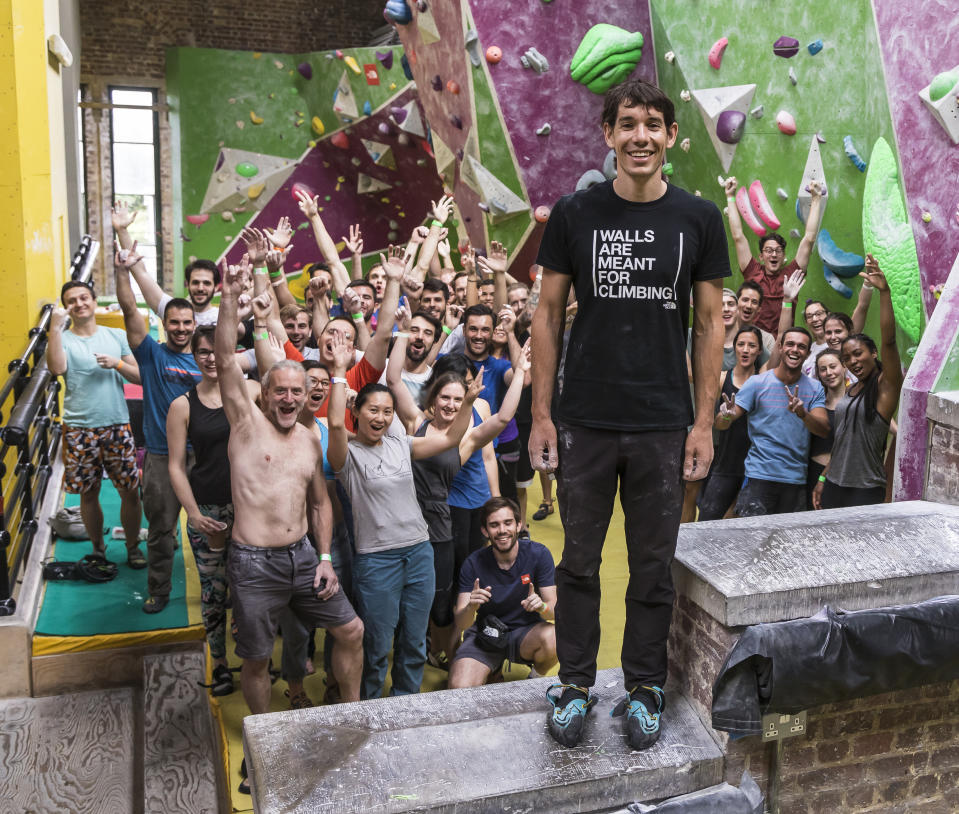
pixel 917 43
pixel 552 164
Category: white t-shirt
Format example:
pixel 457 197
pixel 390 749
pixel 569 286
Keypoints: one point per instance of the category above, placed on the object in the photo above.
pixel 414 382
pixel 207 317
pixel 809 366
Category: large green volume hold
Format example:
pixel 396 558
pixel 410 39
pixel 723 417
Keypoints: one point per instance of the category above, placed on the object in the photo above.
pixel 606 56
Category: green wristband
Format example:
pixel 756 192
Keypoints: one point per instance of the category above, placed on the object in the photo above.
pixel 261 270
pixel 275 275
pixel 326 558
pixel 447 330
pixel 357 317
pixel 436 223
pixel 264 334
pixel 822 478
pixel 787 304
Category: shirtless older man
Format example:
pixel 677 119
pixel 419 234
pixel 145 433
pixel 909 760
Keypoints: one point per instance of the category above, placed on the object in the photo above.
pixel 276 470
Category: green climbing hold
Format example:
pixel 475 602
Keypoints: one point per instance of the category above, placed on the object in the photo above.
pixel 668 168
pixel 887 235
pixel 942 84
pixel 605 57
pixel 246 169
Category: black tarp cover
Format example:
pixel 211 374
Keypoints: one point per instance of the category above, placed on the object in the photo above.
pixel 786 667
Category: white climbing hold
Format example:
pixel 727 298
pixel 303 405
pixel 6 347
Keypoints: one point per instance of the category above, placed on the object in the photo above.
pixel 782 193
pixel 685 95
pixel 794 234
pixel 684 145
pixel 792 77
pixel 544 130
pixel 757 112
pixel 535 60
pixel 669 56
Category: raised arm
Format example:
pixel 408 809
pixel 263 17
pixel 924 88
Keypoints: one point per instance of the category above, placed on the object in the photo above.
pixel 377 349
pixel 351 305
pixel 792 285
pixel 890 381
pixel 861 311
pixel 321 311
pixel 804 252
pixel 407 410
pixel 267 345
pixel 275 258
pixel 336 411
pixel 311 208
pixel 236 402
pixel 132 318
pixel 743 252
pixel 707 362
pixel 728 412
pixel 354 243
pixel 546 332
pixel 122 217
pixel 439 213
pixel 430 445
pixel 496 423
pixel 472 278
pixel 495 263
pixel 56 356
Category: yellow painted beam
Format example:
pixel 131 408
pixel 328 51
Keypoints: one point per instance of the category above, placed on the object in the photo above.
pixel 32 181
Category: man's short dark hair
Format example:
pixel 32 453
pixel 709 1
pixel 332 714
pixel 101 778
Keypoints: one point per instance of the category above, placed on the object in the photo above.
pixel 749 284
pixel 178 302
pixel 494 504
pixel 206 265
pixel 437 325
pixel 796 329
pixel 435 284
pixel 486 283
pixel 634 93
pixel 805 308
pixel 207 332
pixel 75 284
pixel 778 238
pixel 459 274
pixel 359 282
pixel 313 268
pixel 313 364
pixel 479 310
pixel 347 320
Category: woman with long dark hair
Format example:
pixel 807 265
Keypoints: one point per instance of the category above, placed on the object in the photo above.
pixel 728 468
pixel 855 475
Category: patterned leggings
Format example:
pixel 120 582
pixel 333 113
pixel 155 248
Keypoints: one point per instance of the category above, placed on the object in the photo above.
pixel 211 566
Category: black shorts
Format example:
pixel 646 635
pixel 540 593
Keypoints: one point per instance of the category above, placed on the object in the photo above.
pixel 524 469
pixel 469 649
pixel 718 495
pixel 761 497
pixel 843 497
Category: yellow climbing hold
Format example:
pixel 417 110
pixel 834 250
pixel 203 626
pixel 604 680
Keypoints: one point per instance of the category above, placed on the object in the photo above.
pixel 255 119
pixel 255 191
pixel 257 55
pixel 311 143
pixel 392 85
pixel 318 127
pixel 340 246
pixel 352 64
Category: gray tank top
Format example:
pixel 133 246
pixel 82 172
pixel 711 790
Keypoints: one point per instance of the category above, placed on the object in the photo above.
pixel 857 451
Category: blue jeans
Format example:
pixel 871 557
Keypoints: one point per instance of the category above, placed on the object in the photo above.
pixel 394 592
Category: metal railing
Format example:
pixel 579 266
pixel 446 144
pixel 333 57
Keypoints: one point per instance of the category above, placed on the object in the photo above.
pixel 30 439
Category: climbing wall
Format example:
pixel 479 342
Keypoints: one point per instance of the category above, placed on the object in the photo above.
pixel 344 125
pixel 512 130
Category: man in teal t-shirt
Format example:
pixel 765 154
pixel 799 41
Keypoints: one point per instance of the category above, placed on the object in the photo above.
pixel 94 361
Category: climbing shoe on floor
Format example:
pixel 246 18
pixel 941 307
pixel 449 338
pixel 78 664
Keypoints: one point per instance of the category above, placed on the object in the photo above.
pixel 567 720
pixel 643 708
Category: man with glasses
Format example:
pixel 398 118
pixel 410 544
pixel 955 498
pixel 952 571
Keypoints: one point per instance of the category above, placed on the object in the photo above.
pixel 771 269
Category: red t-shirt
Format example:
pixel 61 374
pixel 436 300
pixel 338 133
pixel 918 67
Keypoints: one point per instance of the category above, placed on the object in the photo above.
pixel 772 287
pixel 360 374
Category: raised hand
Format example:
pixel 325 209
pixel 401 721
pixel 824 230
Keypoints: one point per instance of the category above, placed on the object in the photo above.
pixel 122 216
pixel 403 317
pixel 468 259
pixel 257 245
pixel 506 318
pixel 454 313
pixel 793 284
pixel 342 353
pixel 310 207
pixel 525 362
pixel 350 301
pixel 281 236
pixel 320 286
pixel 729 185
pixel 480 596
pixel 495 261
pixel 475 388
pixel 795 404
pixel 262 306
pixel 815 189
pixel 412 285
pixel 418 235
pixel 58 318
pixel 873 275
pixel 275 259
pixel 442 208
pixel 393 265
pixel 126 259
pixel 728 406
pixel 355 241
pixel 532 602
pixel 234 277
pixel 443 248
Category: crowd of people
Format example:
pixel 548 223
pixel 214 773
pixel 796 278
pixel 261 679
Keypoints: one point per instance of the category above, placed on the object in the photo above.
pixel 359 462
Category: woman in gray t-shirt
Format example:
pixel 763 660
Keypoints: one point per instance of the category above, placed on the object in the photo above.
pixel 393 580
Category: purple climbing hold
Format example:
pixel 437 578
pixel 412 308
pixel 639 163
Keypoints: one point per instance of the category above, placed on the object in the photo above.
pixel 407 71
pixel 456 121
pixel 459 154
pixel 219 162
pixel 437 82
pixel 786 47
pixel 730 125
pixel 385 58
pixel 305 69
pixel 398 114
pixel 384 128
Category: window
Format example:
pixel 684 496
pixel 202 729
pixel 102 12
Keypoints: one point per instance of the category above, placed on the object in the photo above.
pixel 134 142
pixel 81 164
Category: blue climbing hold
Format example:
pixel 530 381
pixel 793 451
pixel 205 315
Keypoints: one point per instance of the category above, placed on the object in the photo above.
pixel 837 285
pixel 407 71
pixel 367 108
pixel 814 47
pixel 841 263
pixel 398 12
pixel 853 154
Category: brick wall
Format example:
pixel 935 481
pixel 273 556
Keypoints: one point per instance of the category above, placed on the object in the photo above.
pixel 124 42
pixel 888 753
pixel 942 482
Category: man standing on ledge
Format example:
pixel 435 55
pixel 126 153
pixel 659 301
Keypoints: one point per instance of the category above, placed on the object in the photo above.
pixel 633 248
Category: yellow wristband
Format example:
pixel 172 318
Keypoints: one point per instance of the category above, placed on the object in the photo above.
pixel 119 363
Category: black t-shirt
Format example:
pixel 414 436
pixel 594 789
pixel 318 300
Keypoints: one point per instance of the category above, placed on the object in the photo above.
pixel 633 265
